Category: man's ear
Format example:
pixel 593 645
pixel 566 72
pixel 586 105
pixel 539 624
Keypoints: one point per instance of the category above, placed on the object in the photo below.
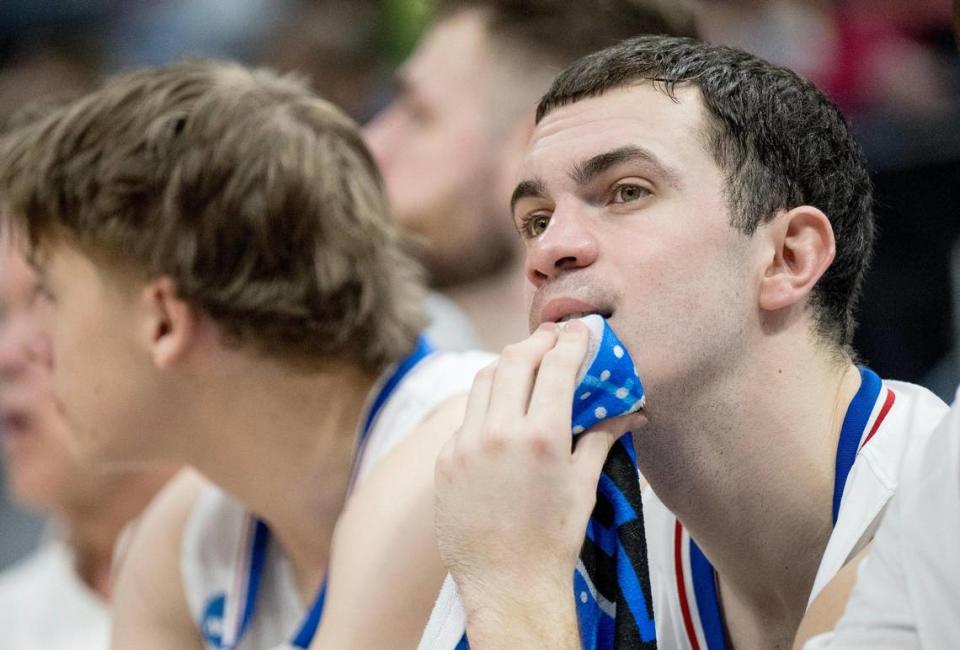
pixel 171 325
pixel 803 247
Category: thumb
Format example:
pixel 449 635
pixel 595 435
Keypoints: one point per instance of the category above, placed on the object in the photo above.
pixel 592 447
pixel 591 451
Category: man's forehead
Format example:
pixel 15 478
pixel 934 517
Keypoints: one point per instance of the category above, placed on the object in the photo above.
pixel 638 115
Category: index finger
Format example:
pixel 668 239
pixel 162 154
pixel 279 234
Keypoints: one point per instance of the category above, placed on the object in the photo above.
pixel 551 403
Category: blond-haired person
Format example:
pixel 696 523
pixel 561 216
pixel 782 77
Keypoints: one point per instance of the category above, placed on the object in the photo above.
pixel 225 290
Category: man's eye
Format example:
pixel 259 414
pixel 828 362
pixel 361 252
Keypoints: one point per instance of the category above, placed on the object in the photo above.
pixel 535 225
pixel 629 192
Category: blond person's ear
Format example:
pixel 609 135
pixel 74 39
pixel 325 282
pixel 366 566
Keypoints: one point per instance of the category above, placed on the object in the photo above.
pixel 171 326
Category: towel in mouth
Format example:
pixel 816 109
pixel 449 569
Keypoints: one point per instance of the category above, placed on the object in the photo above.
pixel 607 383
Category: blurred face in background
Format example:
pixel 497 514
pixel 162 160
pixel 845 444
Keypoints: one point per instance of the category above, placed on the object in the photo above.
pixel 439 147
pixel 42 472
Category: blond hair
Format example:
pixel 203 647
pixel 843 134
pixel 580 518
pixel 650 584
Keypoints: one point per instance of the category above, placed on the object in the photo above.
pixel 258 199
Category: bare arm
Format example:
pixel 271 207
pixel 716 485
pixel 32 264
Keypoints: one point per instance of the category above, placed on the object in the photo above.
pixel 149 607
pixel 385 569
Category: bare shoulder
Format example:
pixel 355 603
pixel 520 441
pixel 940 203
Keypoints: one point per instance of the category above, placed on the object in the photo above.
pixel 384 551
pixel 150 609
pixel 825 611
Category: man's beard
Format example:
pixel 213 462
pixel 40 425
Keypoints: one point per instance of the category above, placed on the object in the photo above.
pixel 494 255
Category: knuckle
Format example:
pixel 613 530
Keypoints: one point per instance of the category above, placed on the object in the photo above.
pixel 493 444
pixel 540 441
pixel 540 446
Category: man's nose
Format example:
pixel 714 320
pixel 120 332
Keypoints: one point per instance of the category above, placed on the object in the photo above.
pixel 567 244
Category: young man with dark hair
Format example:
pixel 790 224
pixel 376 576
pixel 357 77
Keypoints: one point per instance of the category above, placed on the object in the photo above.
pixel 716 210
pixel 450 142
pixel 223 288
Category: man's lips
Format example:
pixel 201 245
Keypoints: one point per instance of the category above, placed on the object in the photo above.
pixel 558 309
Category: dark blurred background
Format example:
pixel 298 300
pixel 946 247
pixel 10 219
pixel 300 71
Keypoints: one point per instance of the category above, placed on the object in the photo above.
pixel 891 65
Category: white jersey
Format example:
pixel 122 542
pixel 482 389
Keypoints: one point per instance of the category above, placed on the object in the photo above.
pixel 449 330
pixel 44 604
pixel 884 421
pixel 239 586
pixel 907 592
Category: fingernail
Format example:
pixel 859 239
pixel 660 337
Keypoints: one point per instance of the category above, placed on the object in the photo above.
pixel 547 326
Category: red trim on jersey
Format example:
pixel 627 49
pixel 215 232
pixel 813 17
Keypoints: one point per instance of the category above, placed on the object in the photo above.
pixel 887 404
pixel 681 586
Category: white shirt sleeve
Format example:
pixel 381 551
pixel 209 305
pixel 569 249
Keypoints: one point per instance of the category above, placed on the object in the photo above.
pixel 907 593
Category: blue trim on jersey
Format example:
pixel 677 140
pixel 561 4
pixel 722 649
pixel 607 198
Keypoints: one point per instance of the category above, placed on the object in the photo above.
pixel 258 556
pixel 705 591
pixel 852 431
pixel 420 352
pixel 311 622
pixel 463 644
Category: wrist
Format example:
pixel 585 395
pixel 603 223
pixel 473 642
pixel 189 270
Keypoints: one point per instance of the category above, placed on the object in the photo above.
pixel 524 615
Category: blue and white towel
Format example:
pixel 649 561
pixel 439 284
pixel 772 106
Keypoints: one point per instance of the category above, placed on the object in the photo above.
pixel 611 583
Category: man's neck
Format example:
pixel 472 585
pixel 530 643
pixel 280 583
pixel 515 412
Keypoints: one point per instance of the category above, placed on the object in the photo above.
pixel 284 442
pixel 497 305
pixel 747 465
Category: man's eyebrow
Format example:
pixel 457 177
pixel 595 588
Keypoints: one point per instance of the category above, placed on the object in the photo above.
pixel 533 187
pixel 584 172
